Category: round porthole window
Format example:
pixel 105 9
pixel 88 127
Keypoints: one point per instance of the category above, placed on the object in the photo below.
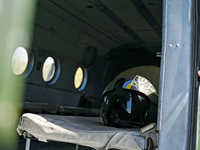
pixel 51 70
pixel 19 61
pixel 21 65
pixel 80 78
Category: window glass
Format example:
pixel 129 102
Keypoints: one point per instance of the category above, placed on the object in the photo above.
pixel 48 69
pixel 19 61
pixel 78 78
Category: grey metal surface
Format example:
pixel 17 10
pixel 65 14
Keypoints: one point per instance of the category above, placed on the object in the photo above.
pixel 175 79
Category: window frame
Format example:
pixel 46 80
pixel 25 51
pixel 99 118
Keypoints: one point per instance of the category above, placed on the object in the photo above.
pixel 30 64
pixel 56 75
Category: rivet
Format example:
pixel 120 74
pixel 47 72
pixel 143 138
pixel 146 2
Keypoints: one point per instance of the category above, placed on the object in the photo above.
pixel 170 45
pixel 184 45
pixel 177 45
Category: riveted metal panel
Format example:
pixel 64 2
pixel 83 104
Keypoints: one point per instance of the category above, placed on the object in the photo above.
pixel 176 74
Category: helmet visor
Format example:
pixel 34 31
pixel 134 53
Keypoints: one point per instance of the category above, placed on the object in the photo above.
pixel 134 105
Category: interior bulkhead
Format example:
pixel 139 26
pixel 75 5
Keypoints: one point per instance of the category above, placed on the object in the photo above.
pixel 92 40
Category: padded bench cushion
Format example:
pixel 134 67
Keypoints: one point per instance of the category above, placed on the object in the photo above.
pixel 86 131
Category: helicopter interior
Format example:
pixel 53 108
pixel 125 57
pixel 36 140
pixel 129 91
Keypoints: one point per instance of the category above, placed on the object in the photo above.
pixel 78 47
pixel 99 39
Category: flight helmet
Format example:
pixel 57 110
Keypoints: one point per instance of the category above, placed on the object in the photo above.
pixel 129 101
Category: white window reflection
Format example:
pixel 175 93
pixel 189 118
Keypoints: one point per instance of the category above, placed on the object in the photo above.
pixel 48 69
pixel 19 61
pixel 78 78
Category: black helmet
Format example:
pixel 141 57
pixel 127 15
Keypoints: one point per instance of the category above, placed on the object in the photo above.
pixel 129 101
